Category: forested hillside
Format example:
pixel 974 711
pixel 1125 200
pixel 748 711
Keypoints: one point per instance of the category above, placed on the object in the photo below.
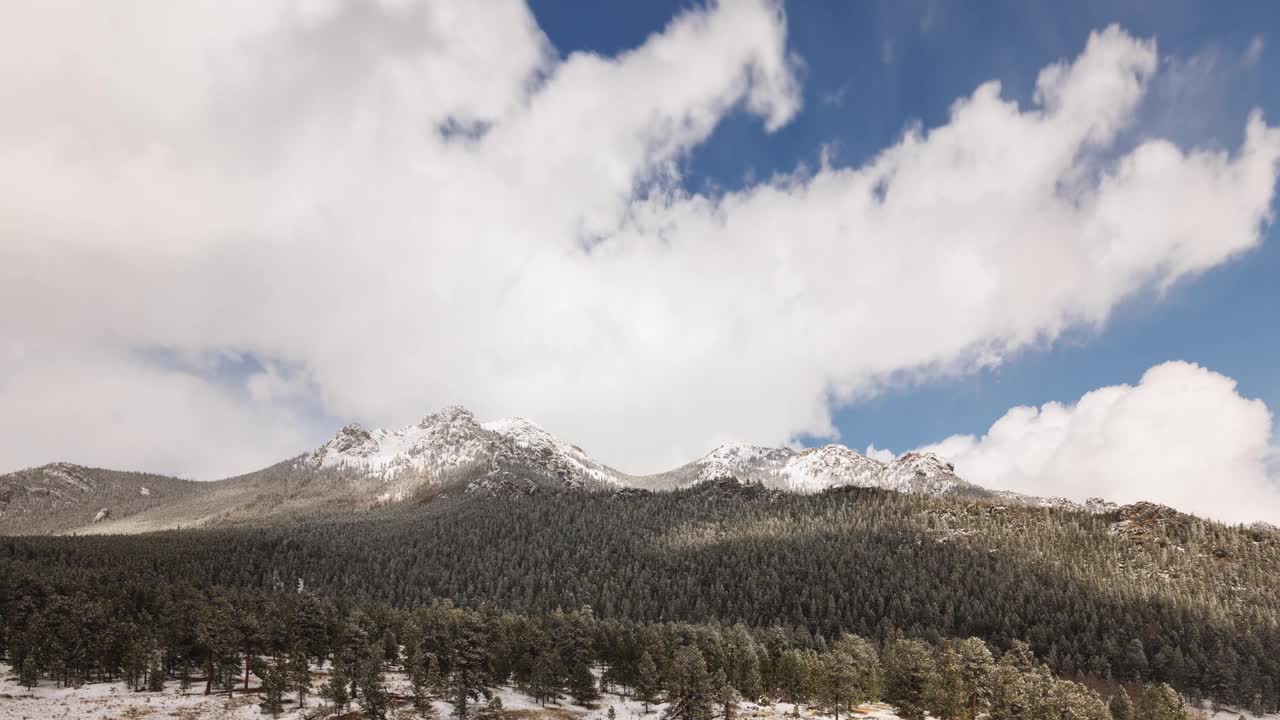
pixel 65 630
pixel 1140 593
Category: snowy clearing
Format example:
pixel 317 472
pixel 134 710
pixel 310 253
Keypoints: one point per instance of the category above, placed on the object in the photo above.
pixel 114 701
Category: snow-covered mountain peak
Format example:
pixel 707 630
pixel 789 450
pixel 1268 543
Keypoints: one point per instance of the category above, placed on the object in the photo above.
pixel 524 432
pixel 816 469
pixel 831 465
pixel 740 460
pixel 450 441
pixel 740 452
pixel 441 441
pixel 354 440
pixel 568 461
pixel 449 415
pixel 921 472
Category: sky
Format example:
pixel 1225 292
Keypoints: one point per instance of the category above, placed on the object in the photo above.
pixel 1036 238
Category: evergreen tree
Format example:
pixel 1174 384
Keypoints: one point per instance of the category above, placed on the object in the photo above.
pixel 390 647
pixel 726 695
pixel 1073 701
pixel 866 664
pixel 909 675
pixel 136 659
pixel 947 696
pixel 742 662
pixel 838 687
pixel 28 676
pixel 750 683
pixel 1135 659
pixel 547 682
pixel 976 666
pixel 1160 702
pixel 155 671
pixel 794 674
pixel 470 665
pixel 648 681
pixel 491 710
pixel 1010 690
pixel 215 634
pixel 248 630
pixel 335 691
pixel 582 684
pixel 298 674
pixel 1042 691
pixel 689 691
pixel 424 679
pixel 1121 705
pixel 372 685
pixel 578 655
pixel 275 682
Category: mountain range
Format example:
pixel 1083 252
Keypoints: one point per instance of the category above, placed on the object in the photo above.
pixel 447 452
pixel 820 540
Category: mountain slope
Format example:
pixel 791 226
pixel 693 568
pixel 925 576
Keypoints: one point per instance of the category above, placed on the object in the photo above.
pixel 1142 591
pixel 450 441
pixel 447 452
pixel 814 470
pixel 61 496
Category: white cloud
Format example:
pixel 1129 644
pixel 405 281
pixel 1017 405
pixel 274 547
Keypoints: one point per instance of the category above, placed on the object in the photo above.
pixel 108 410
pixel 409 205
pixel 1253 53
pixel 880 454
pixel 1182 436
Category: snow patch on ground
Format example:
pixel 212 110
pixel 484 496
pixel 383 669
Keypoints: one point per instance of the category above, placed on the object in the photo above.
pixel 108 701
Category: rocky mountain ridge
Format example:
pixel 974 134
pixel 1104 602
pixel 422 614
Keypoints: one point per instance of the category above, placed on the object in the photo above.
pixel 451 439
pixel 447 452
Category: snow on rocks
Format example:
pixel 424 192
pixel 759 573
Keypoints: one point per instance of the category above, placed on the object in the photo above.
pixel 814 470
pixel 510 448
pixel 565 459
pixel 817 469
pixel 922 473
pixel 452 439
pixel 72 475
pixel 742 461
pixel 442 440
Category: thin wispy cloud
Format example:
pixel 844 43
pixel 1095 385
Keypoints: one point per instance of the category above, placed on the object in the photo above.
pixel 1253 53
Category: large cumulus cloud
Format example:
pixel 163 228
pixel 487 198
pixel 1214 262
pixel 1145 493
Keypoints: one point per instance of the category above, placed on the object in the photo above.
pixel 399 205
pixel 1182 436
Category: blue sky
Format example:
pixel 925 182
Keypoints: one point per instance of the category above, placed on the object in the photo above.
pixel 873 68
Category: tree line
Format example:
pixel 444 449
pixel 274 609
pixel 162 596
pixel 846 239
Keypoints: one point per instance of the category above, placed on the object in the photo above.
pixel 68 631
pixel 1181 601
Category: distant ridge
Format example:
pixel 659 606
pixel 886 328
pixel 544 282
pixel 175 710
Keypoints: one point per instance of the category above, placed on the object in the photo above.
pixel 447 452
